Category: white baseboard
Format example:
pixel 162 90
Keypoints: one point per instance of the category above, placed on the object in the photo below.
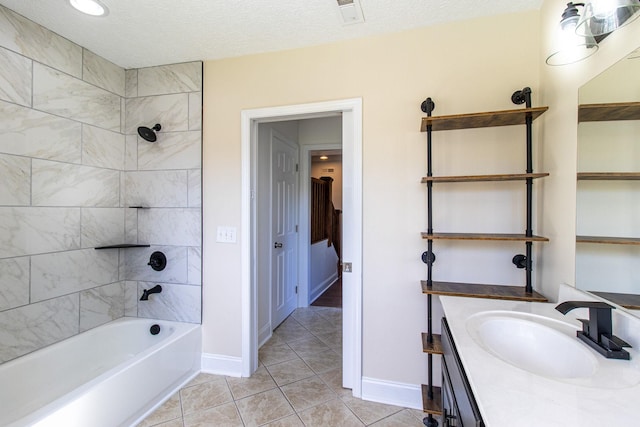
pixel 392 393
pixel 221 365
pixel 321 288
pixel 264 334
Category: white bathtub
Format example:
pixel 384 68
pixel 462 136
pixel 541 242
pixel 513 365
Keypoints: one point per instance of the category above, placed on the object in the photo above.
pixel 108 376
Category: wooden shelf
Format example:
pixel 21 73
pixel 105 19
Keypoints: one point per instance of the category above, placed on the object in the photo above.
pixel 123 246
pixel 630 301
pixel 483 236
pixel 478 178
pixel 434 347
pixel 476 290
pixel 609 112
pixel 608 176
pixel 481 120
pixel 609 240
pixel 432 406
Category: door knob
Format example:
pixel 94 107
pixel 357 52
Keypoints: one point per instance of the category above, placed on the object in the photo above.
pixel 277 245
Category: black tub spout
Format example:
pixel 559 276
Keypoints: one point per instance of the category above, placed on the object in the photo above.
pixel 146 292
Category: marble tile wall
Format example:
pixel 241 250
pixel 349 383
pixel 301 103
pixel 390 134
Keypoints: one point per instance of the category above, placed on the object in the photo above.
pixel 166 177
pixel 71 164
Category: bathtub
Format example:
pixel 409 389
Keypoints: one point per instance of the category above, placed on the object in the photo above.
pixel 109 376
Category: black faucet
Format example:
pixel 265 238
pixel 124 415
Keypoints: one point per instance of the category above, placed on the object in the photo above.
pixel 597 330
pixel 146 292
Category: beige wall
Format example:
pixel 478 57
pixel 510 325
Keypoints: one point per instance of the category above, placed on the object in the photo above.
pixel 466 66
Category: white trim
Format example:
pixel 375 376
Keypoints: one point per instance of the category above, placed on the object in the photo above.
pixel 219 364
pixel 352 247
pixel 264 334
pixel 392 393
pixel 351 110
pixel 321 288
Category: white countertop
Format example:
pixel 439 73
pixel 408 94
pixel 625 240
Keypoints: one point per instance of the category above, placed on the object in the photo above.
pixel 508 396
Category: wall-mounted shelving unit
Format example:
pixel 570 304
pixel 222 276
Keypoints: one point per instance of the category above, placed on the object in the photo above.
pixel 608 112
pixel 605 113
pixel 432 343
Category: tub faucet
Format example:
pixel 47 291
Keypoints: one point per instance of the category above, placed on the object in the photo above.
pixel 146 292
pixel 597 330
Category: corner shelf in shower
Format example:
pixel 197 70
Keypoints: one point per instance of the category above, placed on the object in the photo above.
pixel 123 246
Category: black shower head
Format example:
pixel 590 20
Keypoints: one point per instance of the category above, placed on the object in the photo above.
pixel 149 134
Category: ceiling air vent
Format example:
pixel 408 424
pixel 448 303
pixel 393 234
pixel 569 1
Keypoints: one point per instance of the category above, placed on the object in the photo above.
pixel 350 11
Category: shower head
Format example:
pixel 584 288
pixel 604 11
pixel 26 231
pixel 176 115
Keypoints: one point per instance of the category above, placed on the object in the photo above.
pixel 149 134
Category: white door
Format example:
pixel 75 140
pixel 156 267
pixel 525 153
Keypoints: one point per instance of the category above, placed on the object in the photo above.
pixel 284 228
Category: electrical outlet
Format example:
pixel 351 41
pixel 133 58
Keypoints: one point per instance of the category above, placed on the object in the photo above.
pixel 226 235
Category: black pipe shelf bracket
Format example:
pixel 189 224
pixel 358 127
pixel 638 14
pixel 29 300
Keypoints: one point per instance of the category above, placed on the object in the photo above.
pixel 428 257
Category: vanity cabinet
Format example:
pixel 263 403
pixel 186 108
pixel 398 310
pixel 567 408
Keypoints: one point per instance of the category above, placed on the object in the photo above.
pixel 459 407
pixel 433 344
pixel 615 182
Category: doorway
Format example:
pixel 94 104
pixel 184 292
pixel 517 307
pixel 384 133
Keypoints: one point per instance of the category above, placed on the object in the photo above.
pixel 325 269
pixel 351 111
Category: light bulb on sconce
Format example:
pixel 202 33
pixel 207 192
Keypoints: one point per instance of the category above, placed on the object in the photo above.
pixel 571 47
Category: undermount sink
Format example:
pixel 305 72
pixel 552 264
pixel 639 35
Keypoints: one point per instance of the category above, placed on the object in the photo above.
pixel 536 344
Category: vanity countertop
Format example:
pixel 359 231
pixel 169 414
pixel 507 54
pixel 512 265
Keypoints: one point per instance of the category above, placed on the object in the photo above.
pixel 510 396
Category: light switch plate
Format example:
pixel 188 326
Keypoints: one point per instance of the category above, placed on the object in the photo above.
pixel 226 235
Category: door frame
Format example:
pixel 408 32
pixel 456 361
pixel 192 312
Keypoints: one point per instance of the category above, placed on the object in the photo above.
pixel 351 110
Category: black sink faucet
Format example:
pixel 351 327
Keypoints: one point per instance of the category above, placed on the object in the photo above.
pixel 597 331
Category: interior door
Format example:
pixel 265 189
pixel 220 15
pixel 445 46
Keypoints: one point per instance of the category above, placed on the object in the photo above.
pixel 284 228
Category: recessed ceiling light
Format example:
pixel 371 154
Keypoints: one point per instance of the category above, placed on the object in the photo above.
pixel 90 7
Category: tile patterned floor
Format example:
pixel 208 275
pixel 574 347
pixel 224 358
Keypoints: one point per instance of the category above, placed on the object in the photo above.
pixel 298 383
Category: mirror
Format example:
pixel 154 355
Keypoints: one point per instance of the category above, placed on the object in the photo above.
pixel 608 184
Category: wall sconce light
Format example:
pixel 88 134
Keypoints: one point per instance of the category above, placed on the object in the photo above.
pixel 571 47
pixel 578 37
pixel 323 157
pixel 601 17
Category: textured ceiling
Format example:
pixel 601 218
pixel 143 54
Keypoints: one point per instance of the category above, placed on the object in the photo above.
pixel 139 33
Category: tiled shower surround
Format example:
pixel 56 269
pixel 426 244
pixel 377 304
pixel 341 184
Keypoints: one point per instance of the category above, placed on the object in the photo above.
pixel 71 165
